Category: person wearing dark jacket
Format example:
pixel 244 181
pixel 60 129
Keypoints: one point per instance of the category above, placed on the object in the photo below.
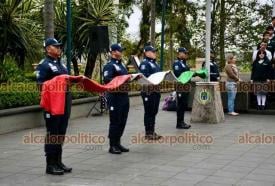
pixel 214 68
pixel 118 102
pixel 180 65
pixel 150 98
pixel 56 125
pixel 261 73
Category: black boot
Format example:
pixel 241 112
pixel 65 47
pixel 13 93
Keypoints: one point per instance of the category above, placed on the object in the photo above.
pixel 183 125
pixel 122 149
pixel 61 165
pixel 114 149
pixel 152 136
pixel 259 107
pixel 150 133
pixel 52 167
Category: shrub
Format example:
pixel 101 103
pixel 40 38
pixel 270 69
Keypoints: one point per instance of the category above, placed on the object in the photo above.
pixel 14 95
pixel 9 72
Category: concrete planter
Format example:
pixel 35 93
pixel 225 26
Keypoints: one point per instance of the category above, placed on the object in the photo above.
pixel 32 116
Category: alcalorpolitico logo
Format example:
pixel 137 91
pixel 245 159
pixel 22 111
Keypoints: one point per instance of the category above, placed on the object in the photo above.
pixel 262 138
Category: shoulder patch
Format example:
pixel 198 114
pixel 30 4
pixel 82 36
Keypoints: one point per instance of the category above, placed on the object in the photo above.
pixel 106 73
pixel 142 67
pixel 53 67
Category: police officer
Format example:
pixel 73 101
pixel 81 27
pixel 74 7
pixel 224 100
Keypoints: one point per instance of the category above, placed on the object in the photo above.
pixel 118 102
pixel 150 98
pixel 214 68
pixel 56 125
pixel 180 66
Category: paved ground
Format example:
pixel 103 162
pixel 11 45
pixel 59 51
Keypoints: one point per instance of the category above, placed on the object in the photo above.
pixel 225 162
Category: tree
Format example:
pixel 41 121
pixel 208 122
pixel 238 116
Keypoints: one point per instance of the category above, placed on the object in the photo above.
pixel 19 33
pixel 153 22
pixel 92 13
pixel 222 31
pixel 61 32
pixel 48 15
pixel 144 27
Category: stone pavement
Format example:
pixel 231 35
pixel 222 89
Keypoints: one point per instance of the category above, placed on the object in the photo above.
pixel 224 162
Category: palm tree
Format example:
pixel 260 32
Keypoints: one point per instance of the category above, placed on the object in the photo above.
pixel 19 33
pixel 92 13
pixel 86 14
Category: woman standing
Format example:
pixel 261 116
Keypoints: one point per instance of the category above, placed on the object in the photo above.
pixel 261 73
pixel 232 73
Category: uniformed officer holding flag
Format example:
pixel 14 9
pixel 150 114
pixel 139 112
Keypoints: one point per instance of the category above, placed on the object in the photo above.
pixel 118 102
pixel 56 125
pixel 214 68
pixel 150 98
pixel 180 66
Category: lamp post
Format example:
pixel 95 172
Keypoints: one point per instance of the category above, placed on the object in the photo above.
pixel 69 35
pixel 208 37
pixel 162 34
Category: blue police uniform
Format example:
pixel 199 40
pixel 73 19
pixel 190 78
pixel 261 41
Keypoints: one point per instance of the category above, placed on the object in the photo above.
pixel 180 66
pixel 56 125
pixel 151 99
pixel 118 104
pixel 214 70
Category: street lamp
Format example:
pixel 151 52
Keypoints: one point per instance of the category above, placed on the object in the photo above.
pixel 69 35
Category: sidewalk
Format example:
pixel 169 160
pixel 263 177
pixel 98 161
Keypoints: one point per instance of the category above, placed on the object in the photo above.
pixel 224 162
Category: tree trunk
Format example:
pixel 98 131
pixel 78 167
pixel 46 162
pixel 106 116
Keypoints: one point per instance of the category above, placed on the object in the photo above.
pixel 171 48
pixel 144 27
pixel 1 66
pixel 21 60
pixel 214 24
pixel 48 15
pixel 75 66
pixel 222 31
pixel 153 22
pixel 90 64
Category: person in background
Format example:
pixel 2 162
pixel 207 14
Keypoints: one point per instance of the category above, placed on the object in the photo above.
pixel 180 65
pixel 151 99
pixel 273 23
pixel 232 73
pixel 118 102
pixel 214 68
pixel 56 125
pixel 261 73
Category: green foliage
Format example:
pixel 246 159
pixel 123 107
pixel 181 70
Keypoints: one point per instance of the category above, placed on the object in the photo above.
pixel 30 76
pixel 11 98
pixel 20 33
pixel 9 71
pixel 245 66
pixel 14 95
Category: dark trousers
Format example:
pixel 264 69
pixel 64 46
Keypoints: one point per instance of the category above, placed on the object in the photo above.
pixel 151 107
pixel 118 104
pixel 56 126
pixel 182 103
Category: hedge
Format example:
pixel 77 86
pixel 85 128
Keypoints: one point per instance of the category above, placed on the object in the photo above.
pixel 26 94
